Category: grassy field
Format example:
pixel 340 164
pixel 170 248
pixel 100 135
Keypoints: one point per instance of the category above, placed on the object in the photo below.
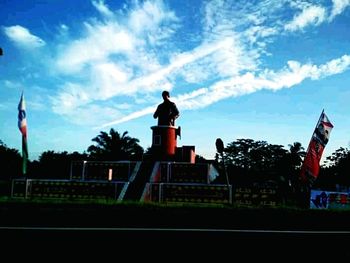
pixel 110 213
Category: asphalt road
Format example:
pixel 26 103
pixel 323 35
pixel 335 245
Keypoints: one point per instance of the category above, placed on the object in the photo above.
pixel 171 227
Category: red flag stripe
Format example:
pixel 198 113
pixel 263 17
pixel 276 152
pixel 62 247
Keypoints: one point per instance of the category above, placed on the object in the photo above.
pixel 328 124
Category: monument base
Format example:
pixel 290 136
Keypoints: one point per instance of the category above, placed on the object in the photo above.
pixel 164 139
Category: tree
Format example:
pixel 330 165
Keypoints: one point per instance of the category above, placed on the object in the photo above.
pixel 54 165
pixel 256 160
pixel 296 153
pixel 115 147
pixel 336 170
pixel 10 162
pixel 293 162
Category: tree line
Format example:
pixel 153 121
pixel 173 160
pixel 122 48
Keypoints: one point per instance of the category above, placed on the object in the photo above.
pixel 112 146
pixel 245 161
pixel 248 161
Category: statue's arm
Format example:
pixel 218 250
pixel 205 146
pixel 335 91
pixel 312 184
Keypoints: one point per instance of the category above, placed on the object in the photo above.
pixel 175 111
pixel 156 113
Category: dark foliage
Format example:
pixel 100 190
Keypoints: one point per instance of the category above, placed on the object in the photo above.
pixel 10 162
pixel 336 170
pixel 248 161
pixel 54 165
pixel 115 147
pixel 258 160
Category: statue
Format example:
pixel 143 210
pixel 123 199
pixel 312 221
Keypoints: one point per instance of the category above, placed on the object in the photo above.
pixel 167 111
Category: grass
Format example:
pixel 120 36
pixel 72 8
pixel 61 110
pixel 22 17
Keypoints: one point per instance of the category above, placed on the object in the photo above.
pixel 4 200
pixel 111 213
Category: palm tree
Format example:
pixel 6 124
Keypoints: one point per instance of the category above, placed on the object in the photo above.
pixel 296 152
pixel 294 162
pixel 115 147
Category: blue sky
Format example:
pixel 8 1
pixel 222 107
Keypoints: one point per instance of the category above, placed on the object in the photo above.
pixel 260 69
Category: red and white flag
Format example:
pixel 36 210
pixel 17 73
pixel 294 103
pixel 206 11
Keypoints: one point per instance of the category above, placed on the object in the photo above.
pixel 319 140
pixel 323 129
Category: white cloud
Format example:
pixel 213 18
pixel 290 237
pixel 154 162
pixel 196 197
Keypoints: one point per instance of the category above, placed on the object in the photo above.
pixel 129 37
pixel 221 58
pixel 64 27
pixel 338 7
pixel 109 80
pixel 251 31
pixel 315 15
pixel 91 114
pixel 70 97
pixel 130 57
pixel 310 15
pixel 129 117
pixel 335 66
pixel 12 84
pixel 63 30
pixel 222 16
pixel 137 69
pixel 22 37
pixel 290 76
pixel 148 18
pixel 256 33
pixel 123 106
pixel 116 57
pixel 102 8
pixel 102 40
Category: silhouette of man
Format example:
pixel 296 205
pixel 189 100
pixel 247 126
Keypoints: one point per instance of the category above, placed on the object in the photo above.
pixel 167 111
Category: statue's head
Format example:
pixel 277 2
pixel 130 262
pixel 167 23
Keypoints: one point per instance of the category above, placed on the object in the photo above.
pixel 165 95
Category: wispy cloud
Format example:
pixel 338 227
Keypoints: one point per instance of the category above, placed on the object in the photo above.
pixel 108 80
pixel 311 15
pixel 22 37
pixel 129 117
pixel 287 77
pixel 147 20
pixel 314 15
pixel 117 57
pixel 101 41
pixel 72 97
pixel 128 55
pixel 12 84
pixel 248 83
pixel 338 7
pixel 137 67
pixel 102 8
pixel 89 115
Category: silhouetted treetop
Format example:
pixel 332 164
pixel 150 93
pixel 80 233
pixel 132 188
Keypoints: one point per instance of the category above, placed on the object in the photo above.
pixel 114 147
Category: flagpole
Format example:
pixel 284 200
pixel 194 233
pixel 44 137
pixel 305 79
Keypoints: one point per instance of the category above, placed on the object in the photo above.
pixel 22 125
pixel 24 156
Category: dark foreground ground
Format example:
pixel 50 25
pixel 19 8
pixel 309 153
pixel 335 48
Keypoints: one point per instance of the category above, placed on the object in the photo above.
pixel 134 215
pixel 154 226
